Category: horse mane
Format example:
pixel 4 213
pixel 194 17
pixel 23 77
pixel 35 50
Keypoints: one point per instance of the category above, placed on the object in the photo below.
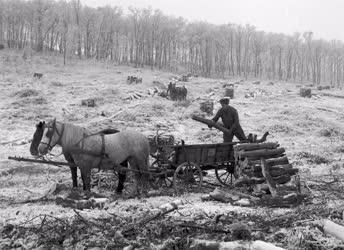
pixel 74 134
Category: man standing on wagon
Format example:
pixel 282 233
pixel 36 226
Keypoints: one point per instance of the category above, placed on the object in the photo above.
pixel 230 119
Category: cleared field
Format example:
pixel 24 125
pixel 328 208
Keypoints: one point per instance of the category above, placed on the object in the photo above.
pixel 311 130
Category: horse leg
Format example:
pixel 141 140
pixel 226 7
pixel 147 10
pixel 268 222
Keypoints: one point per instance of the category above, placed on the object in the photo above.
pixel 122 175
pixel 86 178
pixel 74 171
pixel 137 180
pixel 141 175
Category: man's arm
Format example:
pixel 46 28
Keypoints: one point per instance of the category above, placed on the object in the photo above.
pixel 218 115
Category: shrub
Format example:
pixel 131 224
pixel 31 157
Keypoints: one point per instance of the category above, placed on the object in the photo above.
pixel 312 158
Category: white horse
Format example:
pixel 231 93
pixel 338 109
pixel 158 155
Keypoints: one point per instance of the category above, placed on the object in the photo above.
pixel 104 151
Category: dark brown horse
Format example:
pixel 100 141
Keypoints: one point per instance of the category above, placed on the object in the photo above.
pixel 36 140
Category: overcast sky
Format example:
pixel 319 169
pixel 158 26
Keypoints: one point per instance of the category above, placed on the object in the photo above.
pixel 324 17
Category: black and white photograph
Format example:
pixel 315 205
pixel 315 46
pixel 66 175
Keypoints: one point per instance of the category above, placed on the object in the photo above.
pixel 172 124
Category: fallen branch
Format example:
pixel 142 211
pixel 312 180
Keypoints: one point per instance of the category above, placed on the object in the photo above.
pixel 22 141
pixel 206 228
pixel 171 207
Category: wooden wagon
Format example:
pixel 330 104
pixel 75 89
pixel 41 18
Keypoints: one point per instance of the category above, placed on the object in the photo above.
pixel 191 162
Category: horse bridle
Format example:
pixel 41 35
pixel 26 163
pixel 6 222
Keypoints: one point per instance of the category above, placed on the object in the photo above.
pixel 52 134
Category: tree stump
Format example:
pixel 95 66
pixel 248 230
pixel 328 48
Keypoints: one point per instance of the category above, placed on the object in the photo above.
pixel 185 78
pixel 306 92
pixel 207 107
pixel 88 102
pixel 229 92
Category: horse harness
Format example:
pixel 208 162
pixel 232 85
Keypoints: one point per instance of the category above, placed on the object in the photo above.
pixel 102 153
pixel 51 133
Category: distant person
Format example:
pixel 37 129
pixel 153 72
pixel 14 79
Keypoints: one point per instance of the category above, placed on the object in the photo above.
pixel 230 119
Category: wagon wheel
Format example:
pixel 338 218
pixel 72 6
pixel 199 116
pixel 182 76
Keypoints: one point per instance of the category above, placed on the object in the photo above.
pixel 225 173
pixel 187 177
pixel 161 180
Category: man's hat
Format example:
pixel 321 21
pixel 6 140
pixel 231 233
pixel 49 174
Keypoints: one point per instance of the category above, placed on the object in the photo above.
pixel 224 100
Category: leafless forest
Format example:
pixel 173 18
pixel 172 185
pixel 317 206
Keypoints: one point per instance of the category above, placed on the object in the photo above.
pixel 146 37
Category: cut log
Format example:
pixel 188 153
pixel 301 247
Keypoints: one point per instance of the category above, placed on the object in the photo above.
pixel 277 161
pixel 271 183
pixel 255 146
pixel 282 179
pixel 248 181
pixel 212 124
pixel 257 154
pixel 333 229
pixel 258 168
pixel 277 171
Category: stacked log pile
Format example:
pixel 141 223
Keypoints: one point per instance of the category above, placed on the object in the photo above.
pixel 259 163
pixel 134 79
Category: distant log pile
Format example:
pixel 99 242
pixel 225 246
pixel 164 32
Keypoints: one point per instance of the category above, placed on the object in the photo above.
pixel 139 95
pixel 306 92
pixel 176 93
pixel 263 163
pixel 134 79
pixel 37 75
pixel 207 107
pixel 323 87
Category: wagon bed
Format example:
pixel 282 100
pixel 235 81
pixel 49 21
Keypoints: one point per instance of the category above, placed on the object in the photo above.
pixel 204 154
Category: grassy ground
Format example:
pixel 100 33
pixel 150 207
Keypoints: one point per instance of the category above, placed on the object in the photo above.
pixel 311 130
